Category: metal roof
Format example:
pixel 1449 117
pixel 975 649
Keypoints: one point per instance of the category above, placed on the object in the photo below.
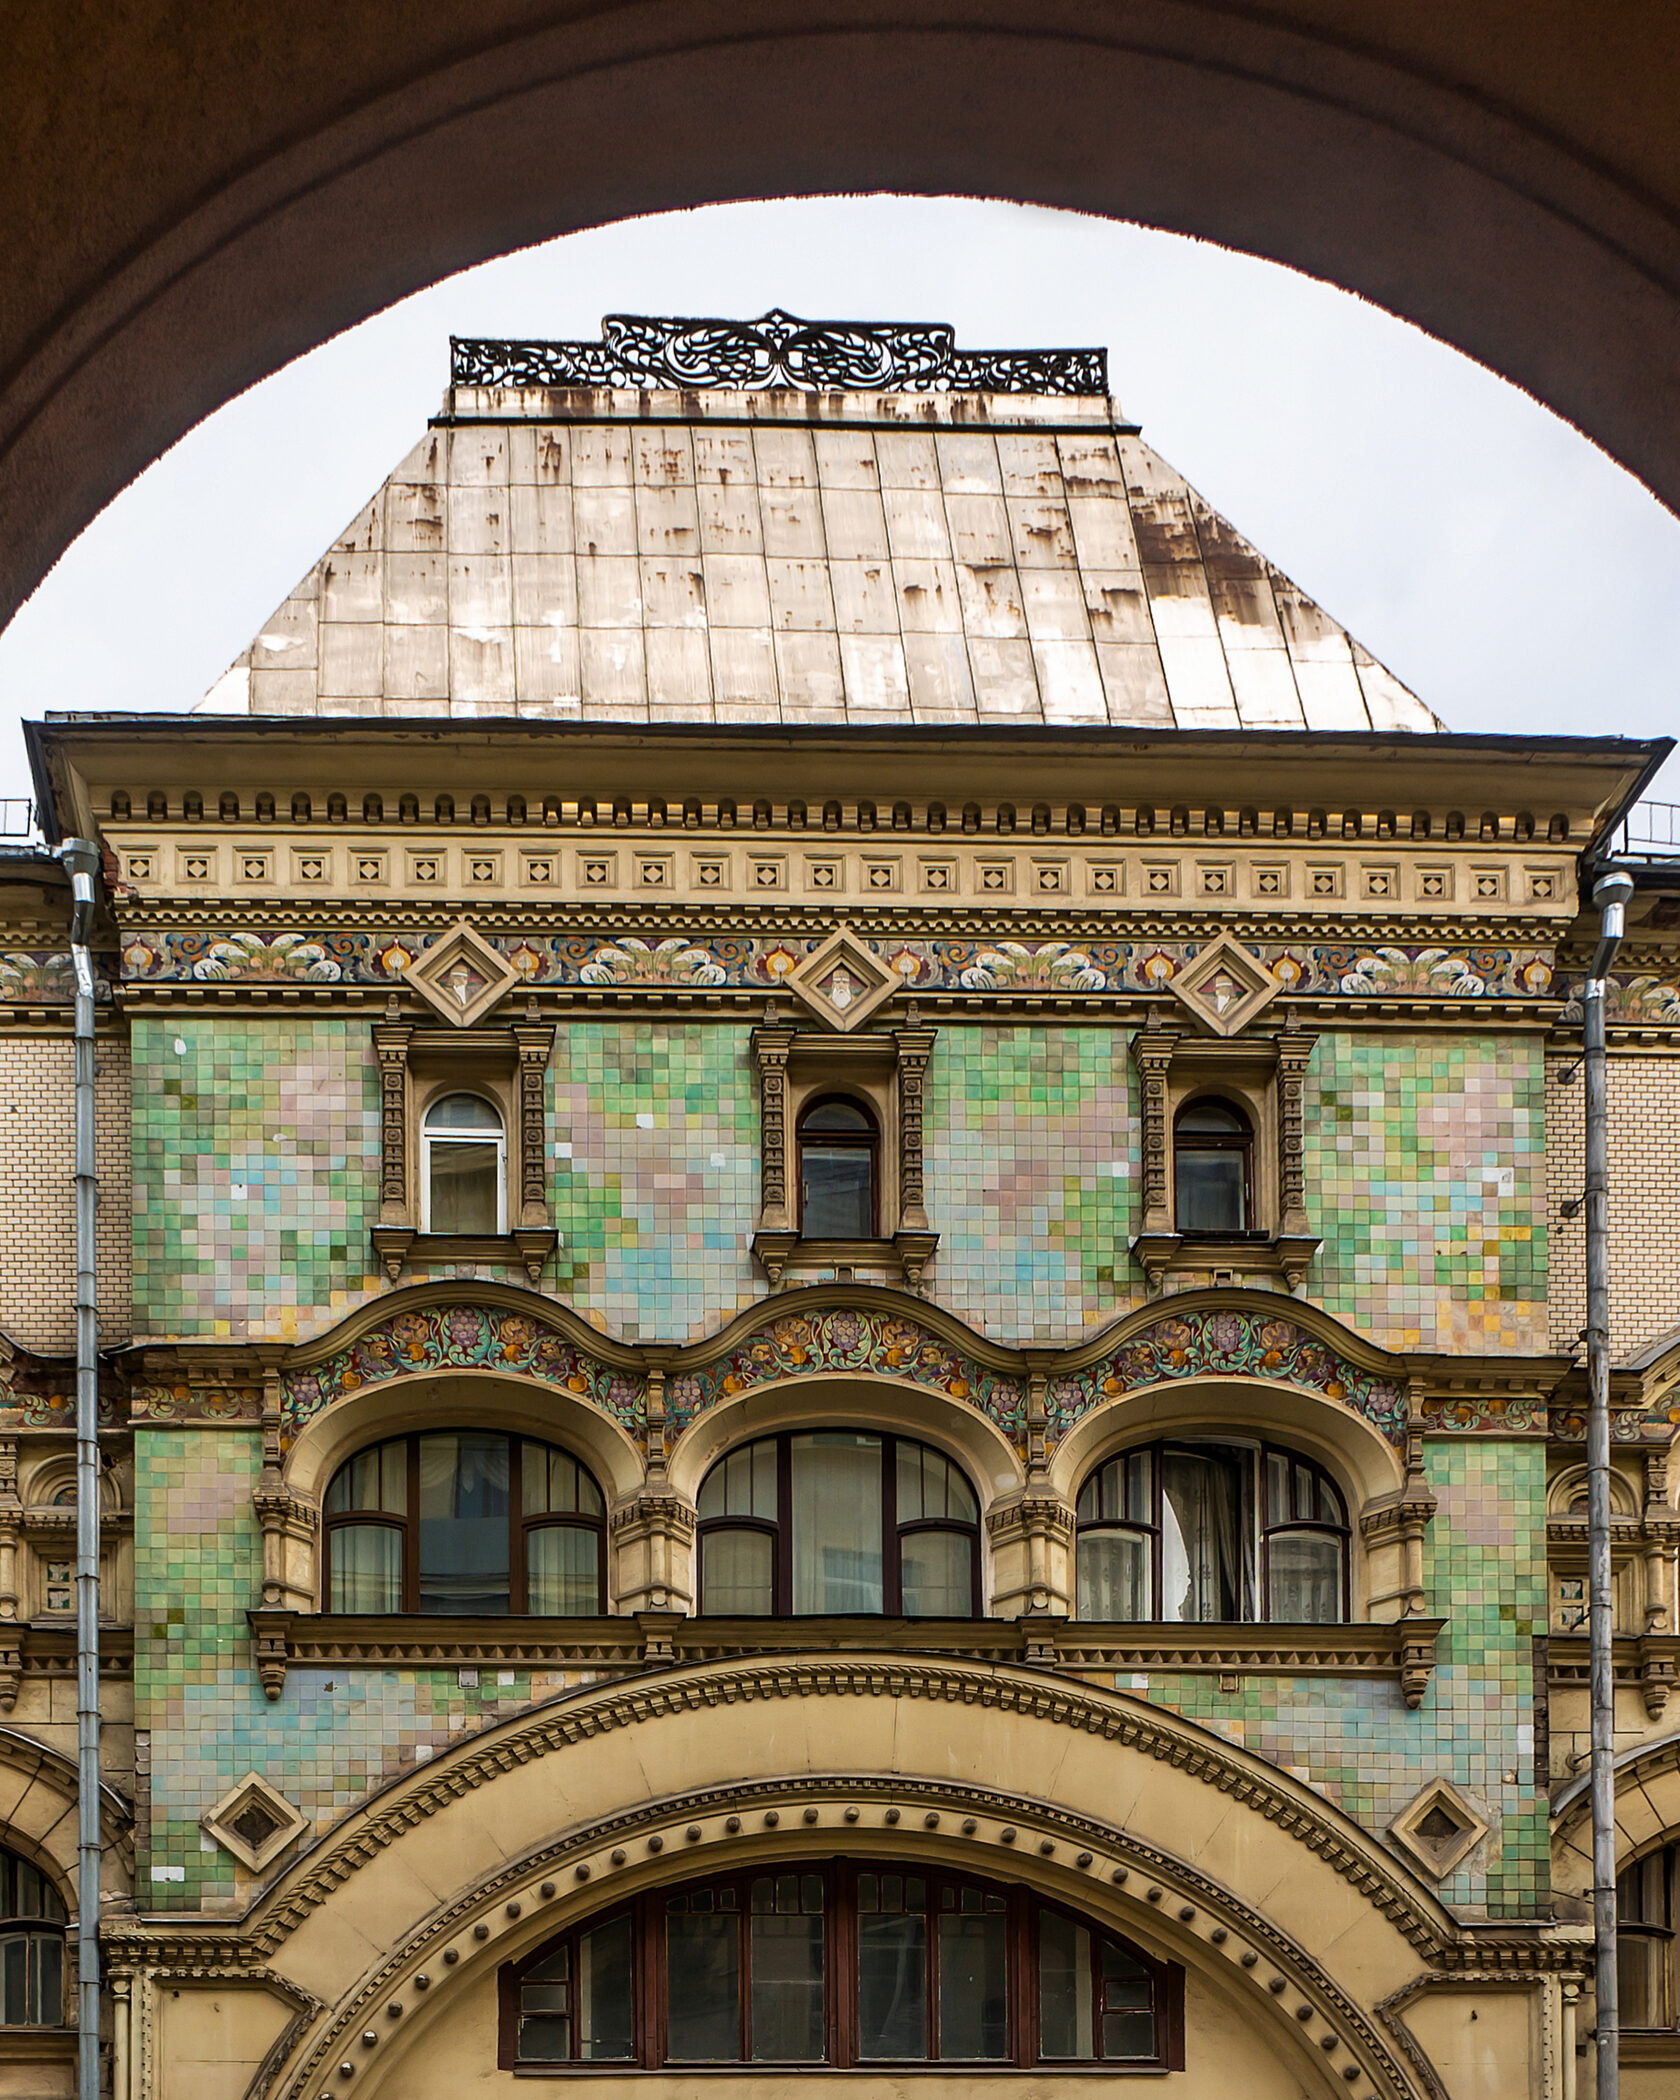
pixel 766 554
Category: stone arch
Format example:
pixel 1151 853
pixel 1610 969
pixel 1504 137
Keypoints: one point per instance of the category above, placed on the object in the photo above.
pixel 1364 1462
pixel 1483 194
pixel 838 1399
pixel 450 1400
pixel 38 1818
pixel 1189 1844
pixel 1647 1813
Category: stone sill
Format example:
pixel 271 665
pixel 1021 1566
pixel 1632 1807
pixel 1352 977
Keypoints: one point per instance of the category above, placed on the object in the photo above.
pixel 1287 1256
pixel 622 1643
pixel 1653 2048
pixel 528 1248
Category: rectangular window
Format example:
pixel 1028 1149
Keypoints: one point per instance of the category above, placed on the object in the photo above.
pixel 463 1507
pixel 892 1968
pixel 837 1559
pixel 786 1937
pixel 703 1978
pixel 973 1977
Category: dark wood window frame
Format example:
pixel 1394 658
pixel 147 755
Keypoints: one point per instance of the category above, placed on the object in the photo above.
pixel 32 1909
pixel 1257 1524
pixel 866 1142
pixel 780 1530
pixel 1662 1933
pixel 520 1526
pixel 1238 1144
pixel 1023 1909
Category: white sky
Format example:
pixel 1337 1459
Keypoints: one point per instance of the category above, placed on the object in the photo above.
pixel 1498 563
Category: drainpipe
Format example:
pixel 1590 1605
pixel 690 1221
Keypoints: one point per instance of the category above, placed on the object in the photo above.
pixel 81 862
pixel 1610 893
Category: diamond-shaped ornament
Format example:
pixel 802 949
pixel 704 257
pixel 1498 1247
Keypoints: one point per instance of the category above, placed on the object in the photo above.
pixel 842 982
pixel 462 976
pixel 1225 988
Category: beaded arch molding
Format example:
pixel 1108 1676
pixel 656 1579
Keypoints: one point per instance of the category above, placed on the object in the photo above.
pixel 1000 1835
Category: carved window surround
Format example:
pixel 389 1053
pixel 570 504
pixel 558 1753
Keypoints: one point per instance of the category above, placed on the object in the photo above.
pixel 891 1070
pixel 1267 1073
pixel 629 1643
pixel 511 1062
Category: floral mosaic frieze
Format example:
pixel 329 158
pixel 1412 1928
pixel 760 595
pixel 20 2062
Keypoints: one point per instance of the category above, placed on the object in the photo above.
pixel 461 1338
pixel 35 976
pixel 1335 969
pixel 1227 1344
pixel 860 1340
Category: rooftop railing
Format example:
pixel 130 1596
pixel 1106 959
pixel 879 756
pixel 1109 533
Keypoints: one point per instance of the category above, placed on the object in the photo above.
pixel 1651 832
pixel 17 817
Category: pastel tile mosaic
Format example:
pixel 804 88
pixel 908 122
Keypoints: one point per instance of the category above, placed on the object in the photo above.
pixel 656 1174
pixel 1358 1743
pixel 1031 1144
pixel 1425 1174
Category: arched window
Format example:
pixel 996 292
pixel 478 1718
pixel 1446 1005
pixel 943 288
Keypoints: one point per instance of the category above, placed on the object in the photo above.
pixel 31 1946
pixel 465 1522
pixel 1213 1531
pixel 1647 1911
pixel 1213 1167
pixel 463 1167
pixel 839 1160
pixel 842 1964
pixel 838 1521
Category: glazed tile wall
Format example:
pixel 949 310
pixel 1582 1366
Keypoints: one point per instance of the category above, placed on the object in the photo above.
pixel 338 1735
pixel 256 1147
pixel 38 1207
pixel 656 1174
pixel 1031 1141
pixel 1357 1741
pixel 1644 1116
pixel 1425 1175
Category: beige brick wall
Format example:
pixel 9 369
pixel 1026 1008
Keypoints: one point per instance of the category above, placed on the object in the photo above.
pixel 1644 1095
pixel 37 1193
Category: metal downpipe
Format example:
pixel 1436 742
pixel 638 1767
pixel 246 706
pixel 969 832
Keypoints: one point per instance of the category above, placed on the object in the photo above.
pixel 1610 894
pixel 81 862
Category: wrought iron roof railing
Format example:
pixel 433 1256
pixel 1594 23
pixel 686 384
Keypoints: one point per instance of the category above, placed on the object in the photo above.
pixel 777 350
pixel 17 817
pixel 1650 831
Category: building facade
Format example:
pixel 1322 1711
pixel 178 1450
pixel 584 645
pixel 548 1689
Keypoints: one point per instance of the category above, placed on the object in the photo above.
pixel 840 1279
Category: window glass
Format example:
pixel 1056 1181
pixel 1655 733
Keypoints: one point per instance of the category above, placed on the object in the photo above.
pixel 1645 1943
pixel 553 1480
pixel 545 2009
pixel 837 1558
pixel 738 1573
pixel 31 1979
pixel 462 1141
pixel 605 2000
pixel 892 1941
pixel 1128 2021
pixel 1211 1192
pixel 463 1521
pixel 562 1572
pixel 1113 1571
pixel 376 1479
pixel 930 1487
pixel 973 1977
pixel 1064 1987
pixel 836 1172
pixel 367 1568
pixel 786 1931
pixel 1204 1545
pixel 1304 1574
pixel 936 1575
pixel 463 1112
pixel 702 1980
pixel 743 1484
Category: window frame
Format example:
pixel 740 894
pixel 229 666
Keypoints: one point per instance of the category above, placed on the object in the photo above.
pixel 464 1136
pixel 1233 1143
pixel 35 1927
pixel 1258 1530
pixel 1023 1910
pixel 867 1142
pixel 520 1525
pixel 780 1528
pixel 1654 1931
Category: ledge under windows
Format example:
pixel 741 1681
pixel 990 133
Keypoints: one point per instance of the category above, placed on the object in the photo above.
pixel 1233 1258
pixel 528 1248
pixel 624 1644
pixel 1648 1662
pixel 787 1254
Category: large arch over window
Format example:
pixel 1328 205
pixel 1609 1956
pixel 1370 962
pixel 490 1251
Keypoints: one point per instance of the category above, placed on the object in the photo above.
pixel 32 1922
pixel 464 1522
pixel 839 1521
pixel 1211 1531
pixel 842 1964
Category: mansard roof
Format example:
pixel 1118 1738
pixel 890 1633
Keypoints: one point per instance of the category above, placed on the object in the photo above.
pixel 783 522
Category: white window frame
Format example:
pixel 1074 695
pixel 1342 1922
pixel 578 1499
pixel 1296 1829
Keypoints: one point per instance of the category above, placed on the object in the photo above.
pixel 462 1136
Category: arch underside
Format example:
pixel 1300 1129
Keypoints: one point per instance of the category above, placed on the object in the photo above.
pixel 1156 1829
pixel 1515 196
